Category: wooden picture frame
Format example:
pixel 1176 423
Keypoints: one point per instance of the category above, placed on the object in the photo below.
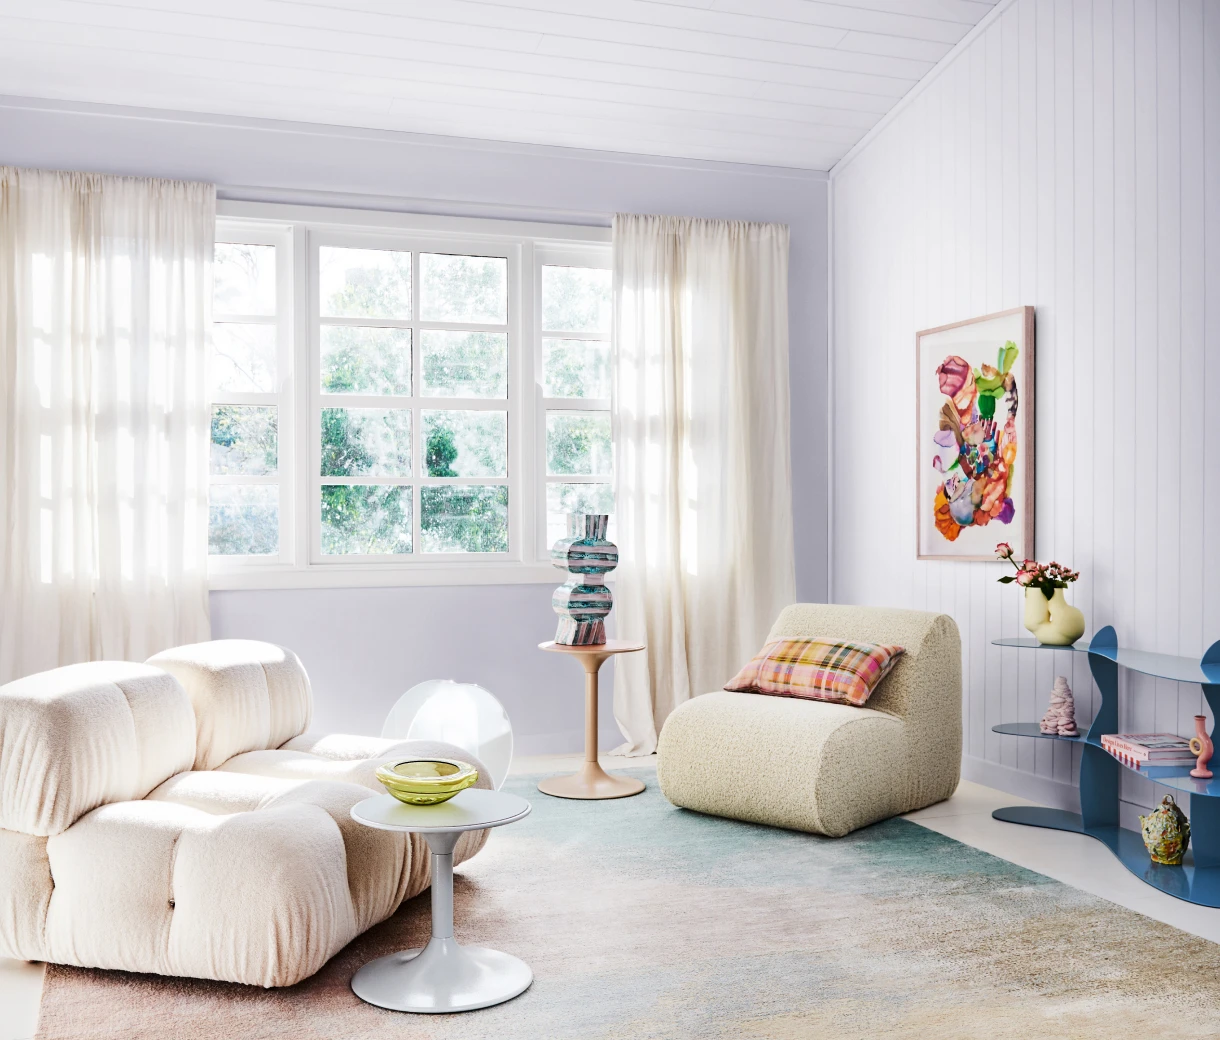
pixel 975 472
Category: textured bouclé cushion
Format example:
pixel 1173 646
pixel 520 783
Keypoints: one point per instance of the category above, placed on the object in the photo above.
pixel 247 695
pixel 80 736
pixel 817 669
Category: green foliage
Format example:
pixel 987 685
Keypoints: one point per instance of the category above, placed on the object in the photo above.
pixel 575 299
pixel 464 518
pixel 578 444
pixel 465 364
pixel 244 520
pixel 463 288
pixel 364 360
pixel 576 368
pixel 245 439
pixel 441 452
pixel 366 519
pixel 357 283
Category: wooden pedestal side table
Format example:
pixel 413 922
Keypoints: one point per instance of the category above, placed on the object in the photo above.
pixel 592 781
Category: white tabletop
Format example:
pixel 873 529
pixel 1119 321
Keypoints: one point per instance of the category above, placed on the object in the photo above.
pixel 469 810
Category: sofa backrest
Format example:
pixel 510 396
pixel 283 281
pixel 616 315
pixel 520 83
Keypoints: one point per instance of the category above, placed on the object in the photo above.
pixel 81 736
pixel 927 679
pixel 246 695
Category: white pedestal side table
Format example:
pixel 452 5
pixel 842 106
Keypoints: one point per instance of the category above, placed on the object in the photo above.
pixel 592 781
pixel 444 976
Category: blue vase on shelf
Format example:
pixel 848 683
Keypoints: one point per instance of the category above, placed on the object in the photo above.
pixel 583 601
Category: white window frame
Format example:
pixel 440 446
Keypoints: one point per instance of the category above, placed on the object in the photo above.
pixel 282 398
pixel 301 229
pixel 561 255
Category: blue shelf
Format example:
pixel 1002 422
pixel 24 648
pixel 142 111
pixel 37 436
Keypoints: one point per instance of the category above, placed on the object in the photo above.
pixel 1163 666
pixel 1198 879
pixel 1032 729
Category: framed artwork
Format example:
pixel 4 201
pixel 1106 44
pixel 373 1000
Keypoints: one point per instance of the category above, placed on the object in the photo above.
pixel 974 484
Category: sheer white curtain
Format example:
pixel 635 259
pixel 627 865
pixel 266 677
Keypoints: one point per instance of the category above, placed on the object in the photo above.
pixel 702 485
pixel 105 286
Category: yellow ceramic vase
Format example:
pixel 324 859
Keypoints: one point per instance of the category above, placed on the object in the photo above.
pixel 1053 621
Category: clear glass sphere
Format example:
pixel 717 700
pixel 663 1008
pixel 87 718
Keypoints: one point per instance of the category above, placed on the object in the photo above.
pixel 462 714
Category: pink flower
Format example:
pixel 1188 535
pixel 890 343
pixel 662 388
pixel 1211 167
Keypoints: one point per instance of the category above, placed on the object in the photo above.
pixel 953 372
pixel 1003 551
pixel 1025 578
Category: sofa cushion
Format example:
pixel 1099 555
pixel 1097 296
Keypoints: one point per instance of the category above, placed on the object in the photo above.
pixel 161 886
pixel 817 669
pixel 247 695
pixel 76 737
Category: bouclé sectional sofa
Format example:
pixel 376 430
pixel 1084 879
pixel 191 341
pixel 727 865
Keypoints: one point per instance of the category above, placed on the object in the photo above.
pixel 172 817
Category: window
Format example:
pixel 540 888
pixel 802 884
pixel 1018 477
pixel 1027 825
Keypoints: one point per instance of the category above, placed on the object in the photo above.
pixel 574 298
pixel 248 372
pixel 403 399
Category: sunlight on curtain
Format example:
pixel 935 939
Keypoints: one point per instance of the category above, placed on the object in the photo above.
pixel 702 485
pixel 104 316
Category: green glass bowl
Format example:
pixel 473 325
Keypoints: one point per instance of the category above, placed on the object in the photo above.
pixel 426 781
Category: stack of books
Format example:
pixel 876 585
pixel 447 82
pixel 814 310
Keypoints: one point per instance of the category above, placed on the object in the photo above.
pixel 1149 750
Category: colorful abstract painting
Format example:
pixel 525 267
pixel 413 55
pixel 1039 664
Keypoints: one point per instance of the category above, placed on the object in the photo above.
pixel 975 479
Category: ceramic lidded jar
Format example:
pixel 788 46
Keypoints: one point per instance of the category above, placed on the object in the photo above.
pixel 1166 832
pixel 583 601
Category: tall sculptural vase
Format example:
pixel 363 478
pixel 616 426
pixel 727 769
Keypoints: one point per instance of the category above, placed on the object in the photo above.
pixel 583 601
pixel 1053 621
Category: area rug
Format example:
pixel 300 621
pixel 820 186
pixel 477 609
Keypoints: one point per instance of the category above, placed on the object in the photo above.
pixel 644 921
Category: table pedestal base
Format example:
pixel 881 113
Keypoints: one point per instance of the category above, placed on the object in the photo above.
pixel 591 782
pixel 442 977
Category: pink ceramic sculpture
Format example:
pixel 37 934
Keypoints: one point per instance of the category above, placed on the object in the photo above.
pixel 1060 717
pixel 1201 745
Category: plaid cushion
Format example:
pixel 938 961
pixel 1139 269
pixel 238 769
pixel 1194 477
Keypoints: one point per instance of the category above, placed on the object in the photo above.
pixel 817 669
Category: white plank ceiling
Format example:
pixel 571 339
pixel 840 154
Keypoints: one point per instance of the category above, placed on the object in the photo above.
pixel 777 82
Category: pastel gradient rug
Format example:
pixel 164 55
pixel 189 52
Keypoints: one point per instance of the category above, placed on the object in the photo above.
pixel 644 921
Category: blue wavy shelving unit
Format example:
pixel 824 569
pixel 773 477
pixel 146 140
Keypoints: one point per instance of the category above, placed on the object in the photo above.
pixel 1198 879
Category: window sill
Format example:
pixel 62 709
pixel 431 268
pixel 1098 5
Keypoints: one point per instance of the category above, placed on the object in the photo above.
pixel 382 575
pixel 327 576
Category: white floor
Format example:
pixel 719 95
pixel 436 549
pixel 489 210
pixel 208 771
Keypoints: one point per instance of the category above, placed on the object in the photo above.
pixel 1071 858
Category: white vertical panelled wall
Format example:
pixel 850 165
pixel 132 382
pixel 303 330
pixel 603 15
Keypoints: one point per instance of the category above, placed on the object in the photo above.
pixel 1068 157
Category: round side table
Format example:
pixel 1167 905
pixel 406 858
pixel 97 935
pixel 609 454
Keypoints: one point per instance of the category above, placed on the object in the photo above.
pixel 444 976
pixel 592 781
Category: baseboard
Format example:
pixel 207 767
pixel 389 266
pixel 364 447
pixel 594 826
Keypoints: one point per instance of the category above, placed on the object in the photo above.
pixel 565 742
pixel 1039 789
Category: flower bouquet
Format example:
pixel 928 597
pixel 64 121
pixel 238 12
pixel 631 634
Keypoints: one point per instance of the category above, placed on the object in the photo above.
pixel 1048 615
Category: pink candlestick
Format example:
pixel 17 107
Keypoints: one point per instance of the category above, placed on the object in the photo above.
pixel 1201 745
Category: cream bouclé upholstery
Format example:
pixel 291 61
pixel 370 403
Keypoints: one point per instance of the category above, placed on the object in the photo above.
pixel 172 818
pixel 821 767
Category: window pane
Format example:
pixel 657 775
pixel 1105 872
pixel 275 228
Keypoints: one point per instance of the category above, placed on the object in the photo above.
pixel 364 283
pixel 465 444
pixel 464 364
pixel 244 439
pixel 375 442
pixel 366 519
pixel 464 518
pixel 243 279
pixel 577 442
pixel 463 288
pixel 575 299
pixel 562 499
pixel 243 358
pixel 357 359
pixel 576 368
pixel 244 520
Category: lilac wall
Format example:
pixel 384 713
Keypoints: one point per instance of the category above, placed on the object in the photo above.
pixel 364 646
